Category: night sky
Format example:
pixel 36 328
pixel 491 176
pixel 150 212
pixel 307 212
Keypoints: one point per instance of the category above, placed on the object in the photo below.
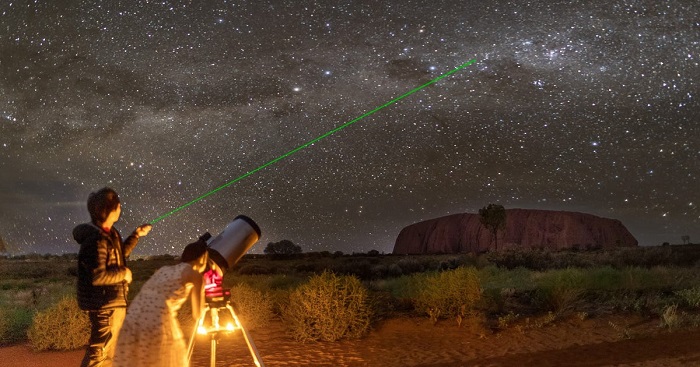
pixel 587 106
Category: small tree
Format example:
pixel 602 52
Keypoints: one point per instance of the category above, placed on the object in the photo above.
pixel 685 239
pixel 284 247
pixel 493 217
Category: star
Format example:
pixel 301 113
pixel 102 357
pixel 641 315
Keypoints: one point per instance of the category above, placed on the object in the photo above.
pixel 588 107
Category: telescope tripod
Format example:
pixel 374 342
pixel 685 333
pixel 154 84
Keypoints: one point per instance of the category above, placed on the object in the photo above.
pixel 214 329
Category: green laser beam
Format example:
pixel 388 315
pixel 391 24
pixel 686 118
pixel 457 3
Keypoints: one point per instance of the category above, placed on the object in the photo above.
pixel 311 142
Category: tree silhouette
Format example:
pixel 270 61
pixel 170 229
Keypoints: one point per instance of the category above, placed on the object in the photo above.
pixel 493 217
pixel 284 247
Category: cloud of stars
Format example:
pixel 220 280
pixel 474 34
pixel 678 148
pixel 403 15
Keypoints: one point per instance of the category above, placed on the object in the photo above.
pixel 579 106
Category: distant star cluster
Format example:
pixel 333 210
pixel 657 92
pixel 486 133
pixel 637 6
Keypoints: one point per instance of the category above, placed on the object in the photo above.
pixel 588 106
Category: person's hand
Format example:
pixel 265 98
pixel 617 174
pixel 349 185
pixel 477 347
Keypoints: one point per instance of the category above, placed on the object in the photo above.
pixel 143 229
pixel 128 277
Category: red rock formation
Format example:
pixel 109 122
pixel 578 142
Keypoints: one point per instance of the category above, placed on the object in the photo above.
pixel 525 228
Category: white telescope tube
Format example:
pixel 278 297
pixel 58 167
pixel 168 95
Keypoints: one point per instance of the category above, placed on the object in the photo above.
pixel 235 240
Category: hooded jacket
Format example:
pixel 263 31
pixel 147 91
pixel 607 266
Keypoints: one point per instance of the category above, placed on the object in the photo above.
pixel 102 267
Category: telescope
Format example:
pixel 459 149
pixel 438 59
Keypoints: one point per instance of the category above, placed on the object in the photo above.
pixel 230 245
pixel 219 317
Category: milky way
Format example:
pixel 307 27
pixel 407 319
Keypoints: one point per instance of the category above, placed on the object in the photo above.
pixel 588 106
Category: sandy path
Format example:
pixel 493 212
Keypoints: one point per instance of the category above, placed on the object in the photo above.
pixel 417 343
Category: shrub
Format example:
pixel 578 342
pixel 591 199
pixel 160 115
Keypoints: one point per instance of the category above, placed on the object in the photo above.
pixel 562 289
pixel 253 269
pixel 670 318
pixel 60 327
pixel 605 278
pixel 637 278
pixel 410 265
pixel 518 257
pixel 284 282
pixel 690 296
pixel 505 321
pixel 4 325
pixel 402 287
pixel 329 307
pixel 163 257
pixel 447 294
pixel 361 268
pixel 394 270
pixel 494 277
pixel 13 324
pixel 254 308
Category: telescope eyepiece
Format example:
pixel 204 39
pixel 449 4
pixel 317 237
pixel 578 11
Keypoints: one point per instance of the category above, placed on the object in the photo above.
pixel 205 237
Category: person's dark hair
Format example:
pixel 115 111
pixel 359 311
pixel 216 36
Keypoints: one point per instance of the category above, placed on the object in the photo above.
pixel 193 251
pixel 101 203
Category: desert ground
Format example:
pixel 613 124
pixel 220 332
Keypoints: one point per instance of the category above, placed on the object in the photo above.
pixel 628 307
pixel 610 340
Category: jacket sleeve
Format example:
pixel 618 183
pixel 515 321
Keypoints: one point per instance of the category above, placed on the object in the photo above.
pixel 102 274
pixel 130 243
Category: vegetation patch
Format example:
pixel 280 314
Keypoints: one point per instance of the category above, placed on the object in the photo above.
pixel 448 294
pixel 316 293
pixel 329 307
pixel 253 307
pixel 14 323
pixel 60 327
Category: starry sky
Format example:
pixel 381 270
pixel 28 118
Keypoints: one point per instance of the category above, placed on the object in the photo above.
pixel 588 106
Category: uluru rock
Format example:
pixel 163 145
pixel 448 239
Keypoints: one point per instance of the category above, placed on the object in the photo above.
pixel 525 228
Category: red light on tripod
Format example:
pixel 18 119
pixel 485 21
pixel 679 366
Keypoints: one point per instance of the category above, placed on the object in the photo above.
pixel 212 285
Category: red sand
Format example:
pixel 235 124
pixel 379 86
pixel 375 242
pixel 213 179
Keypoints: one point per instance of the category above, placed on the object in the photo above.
pixel 402 342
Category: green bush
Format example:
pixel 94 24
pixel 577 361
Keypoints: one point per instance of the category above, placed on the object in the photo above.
pixel 562 289
pixel 60 327
pixel 276 287
pixel 329 307
pixel 253 307
pixel 690 296
pixel 13 324
pixel 500 278
pixel 447 294
pixel 4 324
pixel 402 287
pixel 604 278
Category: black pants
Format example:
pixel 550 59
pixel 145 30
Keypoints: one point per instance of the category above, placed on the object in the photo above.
pixel 104 331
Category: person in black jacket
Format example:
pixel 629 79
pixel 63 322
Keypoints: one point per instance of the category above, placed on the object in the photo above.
pixel 103 278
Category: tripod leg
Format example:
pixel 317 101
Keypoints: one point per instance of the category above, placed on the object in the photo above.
pixel 190 346
pixel 212 359
pixel 251 345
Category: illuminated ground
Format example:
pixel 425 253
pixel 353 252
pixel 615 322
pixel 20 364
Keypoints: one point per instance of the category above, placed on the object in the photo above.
pixel 415 342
